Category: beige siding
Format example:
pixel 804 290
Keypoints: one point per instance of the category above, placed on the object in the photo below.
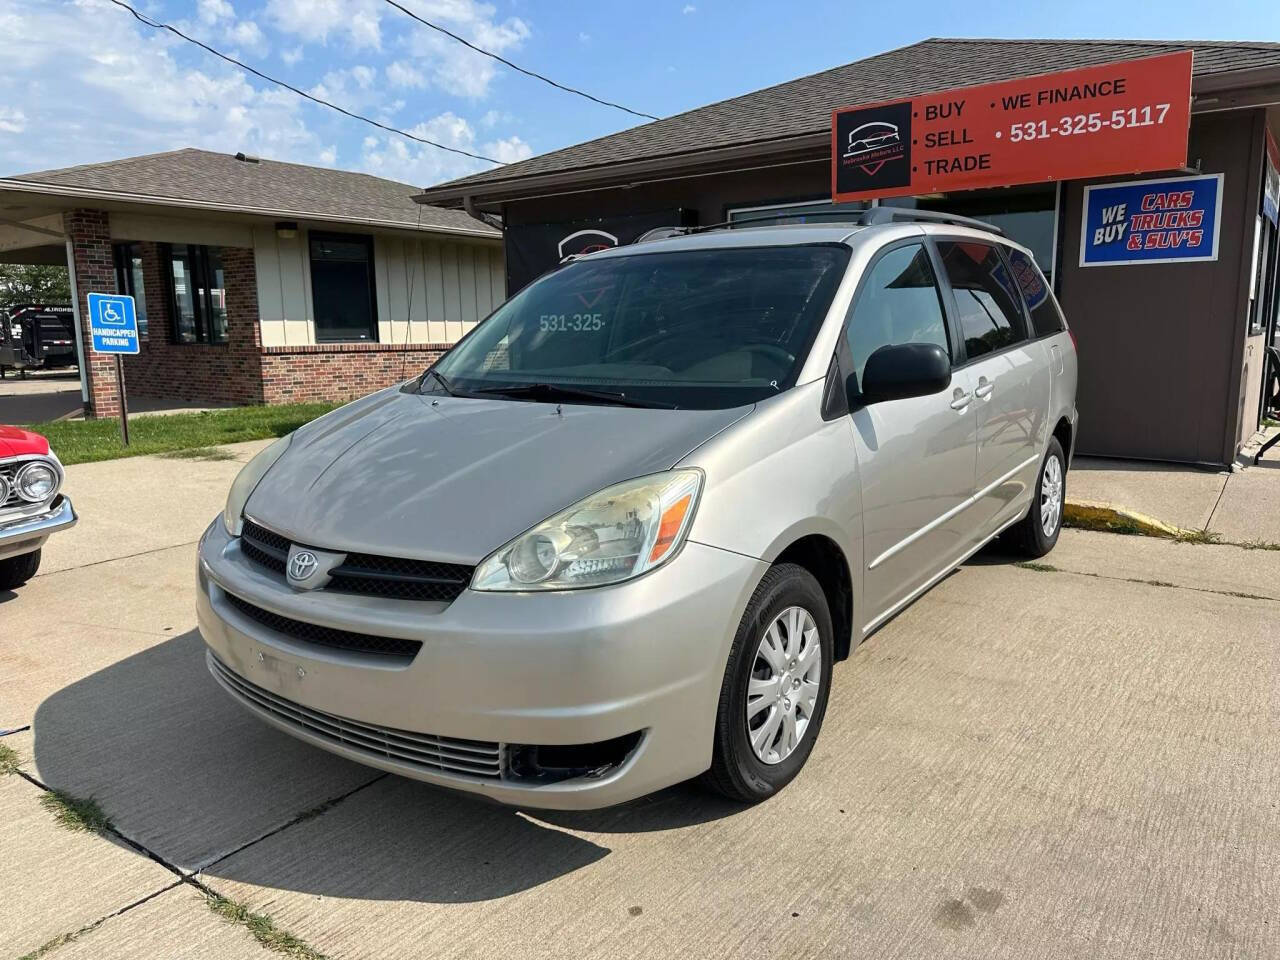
pixel 427 290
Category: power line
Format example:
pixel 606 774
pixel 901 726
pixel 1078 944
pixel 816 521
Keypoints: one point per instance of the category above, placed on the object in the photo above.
pixel 157 25
pixel 527 73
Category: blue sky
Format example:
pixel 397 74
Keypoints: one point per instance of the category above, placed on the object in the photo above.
pixel 81 81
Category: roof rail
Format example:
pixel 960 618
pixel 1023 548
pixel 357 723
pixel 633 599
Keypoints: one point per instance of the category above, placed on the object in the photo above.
pixel 853 218
pixel 908 215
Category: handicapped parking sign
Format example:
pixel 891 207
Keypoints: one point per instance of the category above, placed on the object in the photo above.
pixel 113 322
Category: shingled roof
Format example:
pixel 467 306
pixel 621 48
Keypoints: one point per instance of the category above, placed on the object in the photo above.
pixel 202 178
pixel 803 107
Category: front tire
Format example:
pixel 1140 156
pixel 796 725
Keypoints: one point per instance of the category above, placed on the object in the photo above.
pixel 16 571
pixel 1037 533
pixel 775 689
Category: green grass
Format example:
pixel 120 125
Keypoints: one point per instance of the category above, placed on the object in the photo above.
pixel 75 813
pixel 200 453
pixel 60 940
pixel 1038 567
pixel 1198 537
pixel 262 927
pixel 86 441
pixel 8 760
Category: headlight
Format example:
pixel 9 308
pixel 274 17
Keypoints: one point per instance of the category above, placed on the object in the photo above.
pixel 36 482
pixel 614 535
pixel 247 480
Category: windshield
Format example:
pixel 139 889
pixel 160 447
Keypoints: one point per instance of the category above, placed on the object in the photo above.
pixel 696 328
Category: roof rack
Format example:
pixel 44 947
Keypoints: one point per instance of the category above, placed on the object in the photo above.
pixel 856 218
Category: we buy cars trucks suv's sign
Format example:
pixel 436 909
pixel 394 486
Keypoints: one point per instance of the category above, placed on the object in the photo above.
pixel 1126 117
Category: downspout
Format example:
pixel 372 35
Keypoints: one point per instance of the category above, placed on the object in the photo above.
pixel 469 206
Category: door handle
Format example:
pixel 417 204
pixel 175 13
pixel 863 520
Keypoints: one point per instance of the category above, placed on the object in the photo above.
pixel 984 388
pixel 960 399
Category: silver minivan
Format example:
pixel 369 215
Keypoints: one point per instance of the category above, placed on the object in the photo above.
pixel 620 535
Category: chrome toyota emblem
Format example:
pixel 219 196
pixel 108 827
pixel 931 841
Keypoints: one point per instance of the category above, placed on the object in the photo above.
pixel 302 565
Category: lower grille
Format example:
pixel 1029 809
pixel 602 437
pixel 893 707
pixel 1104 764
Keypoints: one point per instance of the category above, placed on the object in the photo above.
pixel 470 758
pixel 327 636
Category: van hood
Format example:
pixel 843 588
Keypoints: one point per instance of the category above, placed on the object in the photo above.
pixel 452 478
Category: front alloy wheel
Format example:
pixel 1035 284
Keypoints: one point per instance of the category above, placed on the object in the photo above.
pixel 785 679
pixel 775 687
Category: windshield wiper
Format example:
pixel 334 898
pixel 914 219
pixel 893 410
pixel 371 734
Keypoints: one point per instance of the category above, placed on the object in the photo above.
pixel 551 392
pixel 448 388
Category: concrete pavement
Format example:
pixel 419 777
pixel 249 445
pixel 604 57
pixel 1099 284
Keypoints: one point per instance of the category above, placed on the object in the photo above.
pixel 1071 760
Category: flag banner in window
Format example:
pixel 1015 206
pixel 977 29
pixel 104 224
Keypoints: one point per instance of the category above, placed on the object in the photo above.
pixel 1151 221
pixel 534 248
pixel 1126 117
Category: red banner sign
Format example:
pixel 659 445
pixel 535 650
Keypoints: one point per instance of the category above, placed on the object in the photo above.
pixel 1118 118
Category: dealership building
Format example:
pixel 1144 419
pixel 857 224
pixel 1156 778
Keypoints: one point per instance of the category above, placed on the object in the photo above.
pixel 1172 342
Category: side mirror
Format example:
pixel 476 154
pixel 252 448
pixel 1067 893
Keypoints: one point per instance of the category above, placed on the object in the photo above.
pixel 901 370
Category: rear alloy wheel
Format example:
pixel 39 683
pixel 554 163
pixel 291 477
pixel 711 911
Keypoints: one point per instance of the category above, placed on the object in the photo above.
pixel 775 688
pixel 1037 533
pixel 16 571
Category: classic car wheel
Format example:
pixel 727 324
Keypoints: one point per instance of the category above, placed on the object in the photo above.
pixel 16 571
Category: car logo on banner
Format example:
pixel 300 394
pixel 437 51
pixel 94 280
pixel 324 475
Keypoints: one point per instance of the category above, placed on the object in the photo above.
pixel 584 242
pixel 875 147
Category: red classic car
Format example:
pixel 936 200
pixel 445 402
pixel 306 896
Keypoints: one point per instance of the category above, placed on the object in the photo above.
pixel 30 506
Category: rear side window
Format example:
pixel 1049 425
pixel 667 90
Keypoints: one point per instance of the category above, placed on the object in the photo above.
pixel 1046 317
pixel 898 302
pixel 987 299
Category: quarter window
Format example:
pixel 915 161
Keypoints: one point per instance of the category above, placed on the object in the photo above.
pixel 898 302
pixel 342 286
pixel 1046 316
pixel 988 303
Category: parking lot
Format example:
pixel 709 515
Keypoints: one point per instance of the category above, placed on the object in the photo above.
pixel 1074 759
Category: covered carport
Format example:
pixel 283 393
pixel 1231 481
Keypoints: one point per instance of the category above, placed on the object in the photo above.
pixel 32 235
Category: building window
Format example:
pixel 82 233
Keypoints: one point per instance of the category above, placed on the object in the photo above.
pixel 197 293
pixel 342 293
pixel 128 257
pixel 803 211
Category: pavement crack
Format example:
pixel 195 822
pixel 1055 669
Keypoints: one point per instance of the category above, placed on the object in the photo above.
pixel 63 939
pixel 127 556
pixel 302 817
pixel 1237 594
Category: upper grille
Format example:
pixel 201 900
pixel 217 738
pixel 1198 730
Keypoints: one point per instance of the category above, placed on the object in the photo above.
pixel 9 471
pixel 327 636
pixel 396 578
pixel 472 758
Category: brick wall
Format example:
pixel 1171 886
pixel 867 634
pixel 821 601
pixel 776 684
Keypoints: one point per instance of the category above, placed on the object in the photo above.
pixel 340 371
pixel 229 372
pixel 90 235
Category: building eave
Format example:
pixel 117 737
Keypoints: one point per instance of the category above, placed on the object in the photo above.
pixel 90 195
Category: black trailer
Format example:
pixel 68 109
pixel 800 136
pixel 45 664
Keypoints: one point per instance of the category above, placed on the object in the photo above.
pixel 37 337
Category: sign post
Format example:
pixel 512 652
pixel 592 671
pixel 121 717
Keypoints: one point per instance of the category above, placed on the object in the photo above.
pixel 1117 118
pixel 113 323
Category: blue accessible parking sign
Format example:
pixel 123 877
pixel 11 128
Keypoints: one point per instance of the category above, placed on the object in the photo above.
pixel 113 323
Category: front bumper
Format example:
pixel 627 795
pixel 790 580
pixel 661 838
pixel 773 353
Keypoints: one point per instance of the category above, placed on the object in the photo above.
pixel 560 668
pixel 25 534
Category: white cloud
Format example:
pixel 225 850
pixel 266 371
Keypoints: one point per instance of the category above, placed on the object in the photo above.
pixel 328 156
pixel 291 57
pixel 398 159
pixel 12 120
pixel 315 20
pixel 211 11
pixel 584 37
pixel 404 74
pixel 84 64
pixel 249 36
pixel 688 9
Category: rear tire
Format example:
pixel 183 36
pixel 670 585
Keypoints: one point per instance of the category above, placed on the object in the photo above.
pixel 16 571
pixel 775 687
pixel 1037 533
